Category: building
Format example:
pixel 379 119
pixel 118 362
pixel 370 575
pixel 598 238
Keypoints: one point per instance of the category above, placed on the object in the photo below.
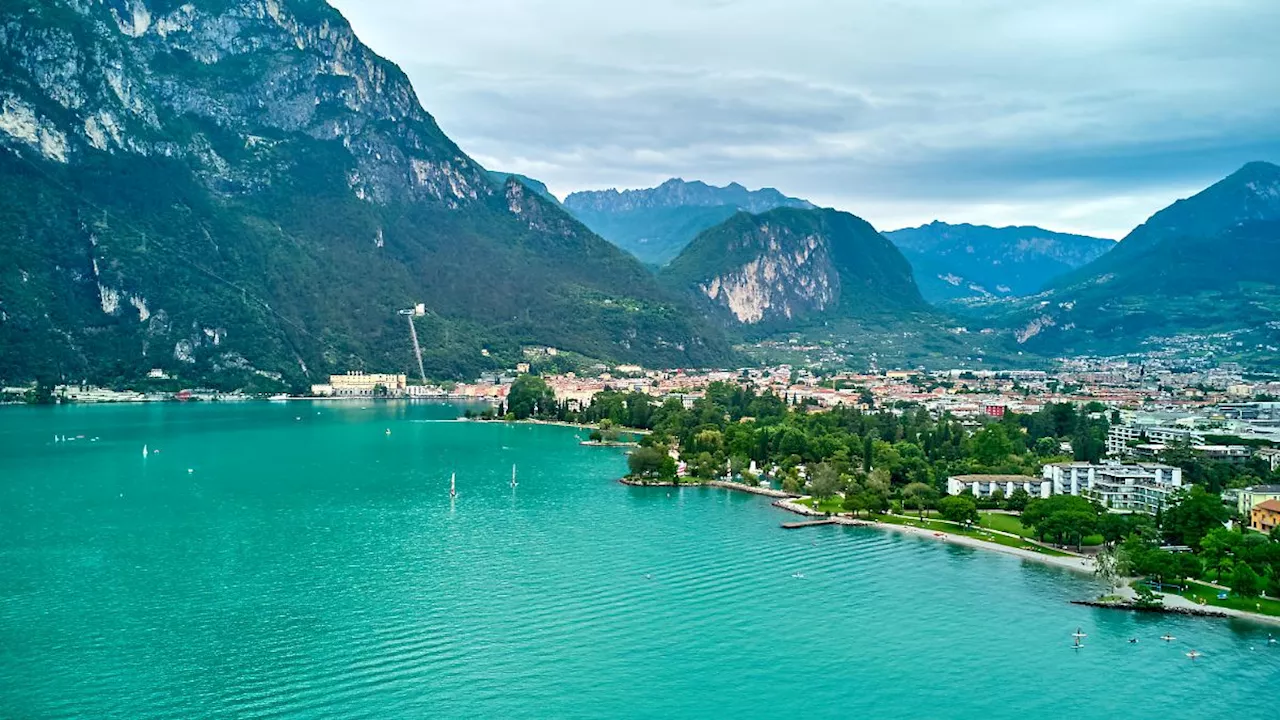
pixel 1271 455
pixel 1250 497
pixel 1122 438
pixel 982 486
pixel 1265 516
pixel 359 384
pixel 1143 487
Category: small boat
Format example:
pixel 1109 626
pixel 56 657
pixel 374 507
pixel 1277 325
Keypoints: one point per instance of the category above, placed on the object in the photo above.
pixel 453 487
pixel 1270 639
pixel 798 575
pixel 144 451
pixel 1078 645
pixel 513 476
pixel 1168 638
pixel 1133 641
pixel 388 431
pixel 1079 633
pixel 1193 654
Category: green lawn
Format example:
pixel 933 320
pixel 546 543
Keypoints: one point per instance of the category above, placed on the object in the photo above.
pixel 976 533
pixel 1011 524
pixel 830 505
pixel 1197 592
pixel 1004 523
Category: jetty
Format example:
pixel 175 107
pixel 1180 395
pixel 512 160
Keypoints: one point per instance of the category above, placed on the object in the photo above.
pixel 808 523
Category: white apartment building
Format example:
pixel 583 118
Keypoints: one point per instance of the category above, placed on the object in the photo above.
pixel 1144 487
pixel 982 486
pixel 1121 437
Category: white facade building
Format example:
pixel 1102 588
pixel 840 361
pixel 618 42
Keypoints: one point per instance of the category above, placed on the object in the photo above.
pixel 1144 487
pixel 1120 438
pixel 982 486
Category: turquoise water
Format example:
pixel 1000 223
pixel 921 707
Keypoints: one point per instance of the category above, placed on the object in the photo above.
pixel 294 560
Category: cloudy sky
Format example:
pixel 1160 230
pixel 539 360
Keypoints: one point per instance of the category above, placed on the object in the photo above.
pixel 1079 115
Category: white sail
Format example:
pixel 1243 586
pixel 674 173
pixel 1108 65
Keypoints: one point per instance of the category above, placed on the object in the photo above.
pixel 144 451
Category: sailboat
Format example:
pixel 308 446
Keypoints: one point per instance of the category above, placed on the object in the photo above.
pixel 144 451
pixel 453 487
pixel 513 476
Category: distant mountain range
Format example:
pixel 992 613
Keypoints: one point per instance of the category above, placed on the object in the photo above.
pixel 964 261
pixel 788 268
pixel 655 224
pixel 1209 264
pixel 243 193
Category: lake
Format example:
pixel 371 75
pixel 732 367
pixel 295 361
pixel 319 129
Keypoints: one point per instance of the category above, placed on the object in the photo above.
pixel 296 560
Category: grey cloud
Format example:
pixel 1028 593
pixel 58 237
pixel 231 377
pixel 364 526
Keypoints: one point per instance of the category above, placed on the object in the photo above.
pixel 972 106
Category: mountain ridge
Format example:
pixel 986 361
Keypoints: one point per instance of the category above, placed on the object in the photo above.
pixel 655 224
pixel 957 261
pixel 241 191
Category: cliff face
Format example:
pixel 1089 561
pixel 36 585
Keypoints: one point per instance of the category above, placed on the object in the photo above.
pixel 788 268
pixel 181 81
pixel 242 187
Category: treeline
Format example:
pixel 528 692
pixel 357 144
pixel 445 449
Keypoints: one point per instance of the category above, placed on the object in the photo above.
pixel 900 460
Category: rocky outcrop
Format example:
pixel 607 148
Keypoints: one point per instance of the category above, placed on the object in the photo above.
pixel 787 268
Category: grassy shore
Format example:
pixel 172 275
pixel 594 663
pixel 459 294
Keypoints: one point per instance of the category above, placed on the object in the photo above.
pixel 932 523
pixel 1197 592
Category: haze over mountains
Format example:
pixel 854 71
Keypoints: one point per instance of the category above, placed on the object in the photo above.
pixel 655 224
pixel 962 261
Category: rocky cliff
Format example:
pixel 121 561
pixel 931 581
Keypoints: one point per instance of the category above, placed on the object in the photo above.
pixel 788 268
pixel 241 189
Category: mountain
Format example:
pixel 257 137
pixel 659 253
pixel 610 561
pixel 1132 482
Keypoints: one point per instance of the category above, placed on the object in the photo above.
pixel 500 178
pixel 655 224
pixel 787 269
pixel 962 261
pixel 240 191
pixel 1201 269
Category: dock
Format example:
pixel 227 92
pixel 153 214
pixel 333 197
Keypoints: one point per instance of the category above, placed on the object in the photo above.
pixel 808 523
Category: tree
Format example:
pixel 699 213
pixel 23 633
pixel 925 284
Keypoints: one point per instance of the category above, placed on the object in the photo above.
pixel 825 482
pixel 1018 500
pixel 650 462
pixel 1147 598
pixel 958 508
pixel 991 445
pixel 919 496
pixel 854 502
pixel 530 396
pixel 1245 582
pixel 1106 568
pixel 1192 515
pixel 1064 517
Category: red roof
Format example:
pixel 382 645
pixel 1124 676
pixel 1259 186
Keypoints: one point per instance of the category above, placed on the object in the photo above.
pixel 1272 505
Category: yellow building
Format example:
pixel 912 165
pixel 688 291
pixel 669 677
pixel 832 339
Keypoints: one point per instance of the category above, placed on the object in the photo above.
pixel 1250 497
pixel 1266 516
pixel 358 384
